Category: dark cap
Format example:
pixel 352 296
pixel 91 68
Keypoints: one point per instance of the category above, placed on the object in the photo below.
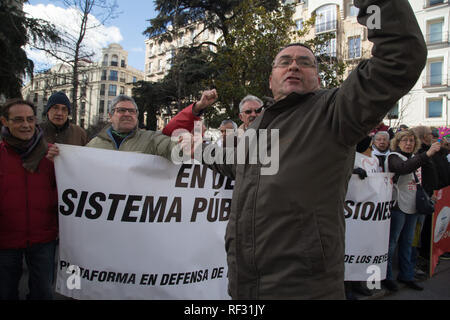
pixel 58 98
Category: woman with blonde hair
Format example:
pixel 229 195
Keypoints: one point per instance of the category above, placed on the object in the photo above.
pixel 406 164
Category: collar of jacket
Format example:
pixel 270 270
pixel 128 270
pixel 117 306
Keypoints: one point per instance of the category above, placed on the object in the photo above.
pixel 272 111
pixel 106 133
pixel 290 100
pixel 59 129
pixel 406 154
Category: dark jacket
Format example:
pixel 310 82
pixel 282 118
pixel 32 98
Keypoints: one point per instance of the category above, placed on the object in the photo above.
pixel 286 235
pixel 405 168
pixel 28 202
pixel 440 168
pixel 68 134
pixel 436 174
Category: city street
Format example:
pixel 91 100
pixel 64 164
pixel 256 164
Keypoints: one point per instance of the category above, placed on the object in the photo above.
pixel 435 288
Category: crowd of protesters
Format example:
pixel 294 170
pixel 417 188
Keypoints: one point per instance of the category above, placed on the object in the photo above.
pixel 415 156
pixel 285 238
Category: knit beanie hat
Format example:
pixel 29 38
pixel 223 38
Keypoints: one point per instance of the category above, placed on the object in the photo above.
pixel 58 98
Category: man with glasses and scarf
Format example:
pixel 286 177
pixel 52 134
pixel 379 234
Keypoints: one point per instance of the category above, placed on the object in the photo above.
pixel 28 204
pixel 123 133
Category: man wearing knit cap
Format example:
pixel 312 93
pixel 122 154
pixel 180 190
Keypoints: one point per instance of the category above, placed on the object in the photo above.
pixel 57 128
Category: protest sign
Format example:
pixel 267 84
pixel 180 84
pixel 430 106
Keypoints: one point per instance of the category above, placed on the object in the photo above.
pixel 135 226
pixel 367 213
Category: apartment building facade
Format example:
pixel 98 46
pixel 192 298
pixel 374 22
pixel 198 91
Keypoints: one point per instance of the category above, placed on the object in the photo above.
pixel 100 83
pixel 426 104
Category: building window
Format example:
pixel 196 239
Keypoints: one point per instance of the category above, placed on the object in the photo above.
pixel 352 10
pixel 434 2
pixel 101 107
pixel 435 69
pixel 326 19
pixel 102 89
pixel 299 24
pixel 103 75
pixel 112 92
pixel 114 60
pixel 159 65
pixel 105 60
pixel 329 48
pixel 393 113
pixel 134 79
pixel 434 108
pixel 122 64
pixel 113 75
pixel 122 90
pixel 354 47
pixel 435 32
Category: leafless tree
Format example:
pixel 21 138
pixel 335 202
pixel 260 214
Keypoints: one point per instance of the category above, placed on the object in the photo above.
pixel 73 50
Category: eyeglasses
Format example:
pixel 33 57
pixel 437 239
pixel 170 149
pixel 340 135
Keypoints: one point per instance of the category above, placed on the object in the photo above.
pixel 302 62
pixel 250 111
pixel 20 120
pixel 124 110
pixel 406 140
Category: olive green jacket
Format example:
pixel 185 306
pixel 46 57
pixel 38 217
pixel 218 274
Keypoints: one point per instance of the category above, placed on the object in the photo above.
pixel 143 141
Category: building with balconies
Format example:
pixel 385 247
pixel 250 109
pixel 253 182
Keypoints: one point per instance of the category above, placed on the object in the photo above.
pixel 426 104
pixel 100 83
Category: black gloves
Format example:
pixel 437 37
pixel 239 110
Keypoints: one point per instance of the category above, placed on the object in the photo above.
pixel 360 172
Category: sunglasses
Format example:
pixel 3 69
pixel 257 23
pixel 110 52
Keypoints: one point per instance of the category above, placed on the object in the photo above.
pixel 251 111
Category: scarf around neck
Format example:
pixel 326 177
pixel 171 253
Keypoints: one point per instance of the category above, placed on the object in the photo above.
pixel 31 151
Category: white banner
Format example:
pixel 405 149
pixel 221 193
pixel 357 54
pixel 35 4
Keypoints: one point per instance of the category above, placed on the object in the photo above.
pixel 135 226
pixel 367 216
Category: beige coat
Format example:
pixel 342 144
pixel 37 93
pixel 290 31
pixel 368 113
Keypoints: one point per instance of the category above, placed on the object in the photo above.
pixel 151 142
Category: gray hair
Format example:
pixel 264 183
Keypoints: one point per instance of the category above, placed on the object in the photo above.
pixel 381 133
pixel 250 98
pixel 121 98
pixel 224 122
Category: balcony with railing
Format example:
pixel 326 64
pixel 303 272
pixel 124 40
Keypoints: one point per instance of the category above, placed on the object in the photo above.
pixel 438 39
pixel 326 26
pixel 436 82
